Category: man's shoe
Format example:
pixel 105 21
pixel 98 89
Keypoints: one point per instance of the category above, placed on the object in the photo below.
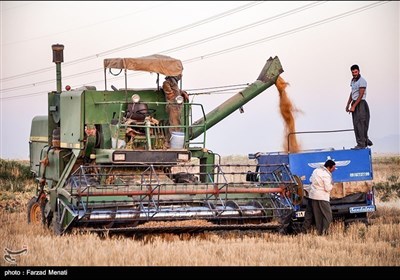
pixel 369 142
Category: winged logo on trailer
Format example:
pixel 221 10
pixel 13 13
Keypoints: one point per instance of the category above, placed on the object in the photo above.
pixel 338 163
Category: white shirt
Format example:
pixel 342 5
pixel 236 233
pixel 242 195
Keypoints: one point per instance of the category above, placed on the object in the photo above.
pixel 321 184
pixel 355 88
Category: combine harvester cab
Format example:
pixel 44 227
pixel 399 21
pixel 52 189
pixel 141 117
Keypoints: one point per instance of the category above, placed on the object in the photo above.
pixel 352 197
pixel 101 162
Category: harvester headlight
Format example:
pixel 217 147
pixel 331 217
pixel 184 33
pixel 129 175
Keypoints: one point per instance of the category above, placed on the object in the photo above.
pixel 135 98
pixel 179 99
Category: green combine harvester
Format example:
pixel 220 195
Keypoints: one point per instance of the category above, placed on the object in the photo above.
pixel 101 162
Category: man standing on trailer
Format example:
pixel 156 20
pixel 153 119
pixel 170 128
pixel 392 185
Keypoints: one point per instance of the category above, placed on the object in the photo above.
pixel 359 108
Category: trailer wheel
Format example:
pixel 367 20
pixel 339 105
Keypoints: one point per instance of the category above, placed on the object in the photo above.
pixel 35 211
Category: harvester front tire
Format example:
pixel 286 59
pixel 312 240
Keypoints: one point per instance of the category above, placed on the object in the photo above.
pixel 35 212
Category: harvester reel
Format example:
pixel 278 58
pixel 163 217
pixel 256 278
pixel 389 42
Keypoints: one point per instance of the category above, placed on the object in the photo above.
pixel 295 192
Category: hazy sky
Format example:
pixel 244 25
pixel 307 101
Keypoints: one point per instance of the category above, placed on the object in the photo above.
pixel 220 43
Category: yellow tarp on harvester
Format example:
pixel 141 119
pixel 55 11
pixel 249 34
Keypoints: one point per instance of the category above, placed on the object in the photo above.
pixel 155 63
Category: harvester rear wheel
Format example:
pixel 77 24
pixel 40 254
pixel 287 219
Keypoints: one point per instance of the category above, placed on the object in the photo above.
pixel 35 212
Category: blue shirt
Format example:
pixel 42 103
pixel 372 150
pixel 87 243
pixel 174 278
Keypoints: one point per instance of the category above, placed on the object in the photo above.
pixel 355 88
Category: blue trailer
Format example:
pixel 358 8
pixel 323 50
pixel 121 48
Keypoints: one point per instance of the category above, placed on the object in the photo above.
pixel 351 166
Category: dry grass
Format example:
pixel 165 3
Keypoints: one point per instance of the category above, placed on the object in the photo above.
pixel 385 167
pixel 375 245
pixel 359 245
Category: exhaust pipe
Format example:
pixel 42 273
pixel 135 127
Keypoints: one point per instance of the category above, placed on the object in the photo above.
pixel 58 57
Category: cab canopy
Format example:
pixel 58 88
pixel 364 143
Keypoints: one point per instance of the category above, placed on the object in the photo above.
pixel 155 63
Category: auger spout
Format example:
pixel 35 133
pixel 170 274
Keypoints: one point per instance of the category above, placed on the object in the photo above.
pixel 271 71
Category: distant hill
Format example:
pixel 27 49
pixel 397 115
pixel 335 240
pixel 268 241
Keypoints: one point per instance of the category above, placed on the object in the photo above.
pixel 389 144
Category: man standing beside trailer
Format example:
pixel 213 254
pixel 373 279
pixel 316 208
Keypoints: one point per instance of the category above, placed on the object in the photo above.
pixel 319 191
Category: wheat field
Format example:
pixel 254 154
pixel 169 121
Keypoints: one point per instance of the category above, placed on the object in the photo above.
pixel 358 245
pixel 375 245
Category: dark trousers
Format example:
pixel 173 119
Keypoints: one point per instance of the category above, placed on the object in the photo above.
pixel 361 123
pixel 308 216
pixel 322 214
